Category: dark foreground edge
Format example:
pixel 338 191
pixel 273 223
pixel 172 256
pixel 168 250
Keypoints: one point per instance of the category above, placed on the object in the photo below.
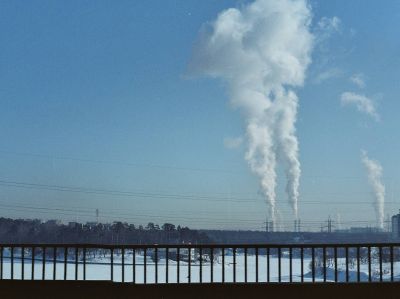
pixel 105 289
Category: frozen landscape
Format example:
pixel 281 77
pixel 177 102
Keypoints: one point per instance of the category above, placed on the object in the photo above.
pixel 99 268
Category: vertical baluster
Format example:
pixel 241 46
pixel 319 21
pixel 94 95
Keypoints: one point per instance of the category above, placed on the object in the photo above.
pixel 369 265
pixel 1 262
pixel 302 263
pixel 190 265
pixel 212 265
pixel 23 263
pixel 245 264
pixel 358 263
pixel 84 263
pixel 268 266
pixel 123 264
pixel 145 265
pixel 201 265
pixel 279 264
pixel 134 265
pixel 290 265
pixel 177 265
pixel 347 264
pixel 54 263
pixel 43 263
pixel 156 262
pixel 223 264
pixel 33 263
pixel 391 264
pixel 313 263
pixel 336 264
pixel 256 264
pixel 166 264
pixel 112 264
pixel 76 263
pixel 380 264
pixel 12 262
pixel 324 262
pixel 65 262
pixel 234 264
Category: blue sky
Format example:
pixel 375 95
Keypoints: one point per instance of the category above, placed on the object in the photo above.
pixel 96 95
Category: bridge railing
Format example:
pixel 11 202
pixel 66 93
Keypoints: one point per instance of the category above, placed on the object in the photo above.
pixel 188 263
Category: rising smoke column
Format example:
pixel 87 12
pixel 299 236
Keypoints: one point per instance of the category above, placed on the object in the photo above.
pixel 262 50
pixel 374 173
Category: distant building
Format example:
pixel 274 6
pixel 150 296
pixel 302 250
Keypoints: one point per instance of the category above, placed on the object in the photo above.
pixel 396 226
pixel 74 225
pixel 52 223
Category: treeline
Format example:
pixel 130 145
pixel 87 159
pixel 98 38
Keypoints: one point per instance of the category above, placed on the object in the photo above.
pixel 52 231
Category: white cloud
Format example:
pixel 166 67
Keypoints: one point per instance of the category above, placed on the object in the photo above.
pixel 362 103
pixel 358 79
pixel 326 27
pixel 233 142
pixel 328 74
pixel 332 24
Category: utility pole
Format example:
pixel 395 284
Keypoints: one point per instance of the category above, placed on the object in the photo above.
pixel 329 225
pixel 97 216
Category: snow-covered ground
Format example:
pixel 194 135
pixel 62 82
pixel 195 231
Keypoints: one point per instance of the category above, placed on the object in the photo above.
pixel 99 269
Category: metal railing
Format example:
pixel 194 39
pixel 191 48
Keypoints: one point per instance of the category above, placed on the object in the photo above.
pixel 186 263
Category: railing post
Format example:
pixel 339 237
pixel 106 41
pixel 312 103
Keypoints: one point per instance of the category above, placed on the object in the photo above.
pixel 212 264
pixel 156 264
pixel 133 265
pixel 279 264
pixel 234 264
pixel 290 265
pixel 302 263
pixel 201 265
pixel 223 264
pixel 369 264
pixel 256 249
pixel 358 263
pixel 380 264
pixel 12 262
pixel 43 263
pixel 65 262
pixel 1 262
pixel 391 264
pixel 166 264
pixel 177 264
pixel 145 265
pixel 313 263
pixel 33 263
pixel 245 264
pixel 112 264
pixel 189 264
pixel 22 263
pixel 84 263
pixel 268 266
pixel 54 263
pixel 336 263
pixel 123 264
pixel 76 262
pixel 347 264
pixel 324 262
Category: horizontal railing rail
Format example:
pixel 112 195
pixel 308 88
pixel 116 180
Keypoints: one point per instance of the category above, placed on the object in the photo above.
pixel 205 263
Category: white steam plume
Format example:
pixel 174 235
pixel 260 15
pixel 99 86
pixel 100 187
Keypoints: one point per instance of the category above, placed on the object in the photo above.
pixel 262 50
pixel 374 172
